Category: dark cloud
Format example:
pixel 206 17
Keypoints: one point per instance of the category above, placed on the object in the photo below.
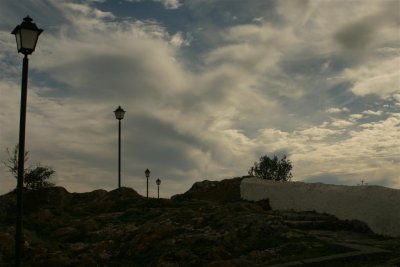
pixel 343 179
pixel 105 76
pixel 45 13
pixel 360 35
pixel 357 36
pixel 150 140
pixel 325 178
pixel 228 13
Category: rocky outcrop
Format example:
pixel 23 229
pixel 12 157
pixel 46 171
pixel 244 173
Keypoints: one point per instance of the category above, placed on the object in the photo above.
pixel 121 228
pixel 225 190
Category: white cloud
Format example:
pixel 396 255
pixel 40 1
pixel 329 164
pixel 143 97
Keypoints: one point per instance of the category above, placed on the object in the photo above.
pixel 337 110
pixel 258 19
pixel 371 112
pixel 370 152
pixel 170 4
pixel 256 48
pixel 354 117
pixel 317 133
pixel 371 148
pixel 396 97
pixel 313 19
pixel 341 123
pixel 382 85
pixel 380 77
pixel 87 11
pixel 359 32
pixel 179 40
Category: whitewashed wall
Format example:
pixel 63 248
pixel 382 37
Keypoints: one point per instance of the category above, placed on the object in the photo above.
pixel 378 207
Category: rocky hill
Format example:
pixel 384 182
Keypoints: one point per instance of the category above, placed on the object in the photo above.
pixel 207 226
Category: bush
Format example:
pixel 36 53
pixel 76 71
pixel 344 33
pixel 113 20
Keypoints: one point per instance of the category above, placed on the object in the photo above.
pixel 34 177
pixel 272 169
pixel 38 177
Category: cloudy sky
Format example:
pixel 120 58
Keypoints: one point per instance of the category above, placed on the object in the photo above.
pixel 208 87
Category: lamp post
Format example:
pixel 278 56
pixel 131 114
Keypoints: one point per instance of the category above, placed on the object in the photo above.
pixel 26 35
pixel 119 115
pixel 158 182
pixel 147 173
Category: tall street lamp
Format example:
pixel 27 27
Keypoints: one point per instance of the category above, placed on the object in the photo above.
pixel 147 173
pixel 26 35
pixel 119 115
pixel 158 182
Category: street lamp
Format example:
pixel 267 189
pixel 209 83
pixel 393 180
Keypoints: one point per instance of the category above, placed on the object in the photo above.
pixel 26 35
pixel 119 115
pixel 158 182
pixel 147 173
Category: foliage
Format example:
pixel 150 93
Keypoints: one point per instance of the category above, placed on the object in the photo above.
pixel 38 177
pixel 272 169
pixel 35 177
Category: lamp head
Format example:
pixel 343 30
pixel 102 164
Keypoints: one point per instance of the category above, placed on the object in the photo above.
pixel 119 113
pixel 147 173
pixel 26 35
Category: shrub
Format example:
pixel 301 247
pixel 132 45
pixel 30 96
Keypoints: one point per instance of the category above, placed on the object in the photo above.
pixel 272 169
pixel 34 177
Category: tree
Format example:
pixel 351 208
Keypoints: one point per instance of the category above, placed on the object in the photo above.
pixel 35 177
pixel 272 169
pixel 38 177
pixel 12 161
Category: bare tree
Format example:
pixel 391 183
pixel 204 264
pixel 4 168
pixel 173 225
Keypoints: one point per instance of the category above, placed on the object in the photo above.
pixel 12 161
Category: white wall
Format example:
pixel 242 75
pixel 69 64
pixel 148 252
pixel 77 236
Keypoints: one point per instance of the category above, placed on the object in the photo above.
pixel 378 207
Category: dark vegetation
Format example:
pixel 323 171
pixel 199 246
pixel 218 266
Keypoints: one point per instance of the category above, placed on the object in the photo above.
pixel 272 168
pixel 35 177
pixel 207 226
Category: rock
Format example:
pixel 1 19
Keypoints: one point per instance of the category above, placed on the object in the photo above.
pixel 34 200
pixel 219 253
pixel 210 228
pixel 225 190
pixel 103 256
pixel 89 225
pixel 6 244
pixel 43 215
pixel 78 247
pixel 264 204
pixel 164 263
pixel 65 231
pixel 100 250
pixel 57 258
pixel 222 263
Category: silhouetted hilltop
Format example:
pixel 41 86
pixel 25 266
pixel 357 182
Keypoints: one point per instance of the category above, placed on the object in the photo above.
pixel 225 190
pixel 206 226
